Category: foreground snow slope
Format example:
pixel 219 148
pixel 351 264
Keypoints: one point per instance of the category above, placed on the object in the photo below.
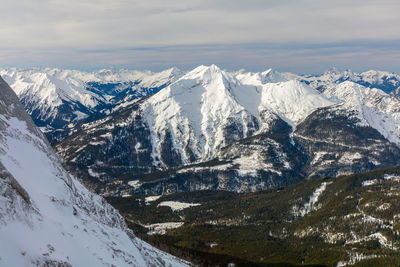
pixel 47 218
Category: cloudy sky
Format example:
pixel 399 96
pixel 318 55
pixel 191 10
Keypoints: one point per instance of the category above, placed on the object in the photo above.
pixel 303 36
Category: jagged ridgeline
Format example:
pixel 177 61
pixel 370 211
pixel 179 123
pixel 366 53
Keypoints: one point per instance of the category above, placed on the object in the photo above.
pixel 211 129
pixel 47 218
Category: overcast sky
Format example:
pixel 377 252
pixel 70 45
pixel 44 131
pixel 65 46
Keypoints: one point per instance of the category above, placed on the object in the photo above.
pixel 303 36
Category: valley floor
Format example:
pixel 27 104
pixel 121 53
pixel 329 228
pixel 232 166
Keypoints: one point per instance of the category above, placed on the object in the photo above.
pixel 349 220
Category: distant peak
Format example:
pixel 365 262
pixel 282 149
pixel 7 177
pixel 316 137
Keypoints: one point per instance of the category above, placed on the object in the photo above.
pixel 350 87
pixel 333 70
pixel 272 76
pixel 211 67
pixel 172 72
pixel 268 71
pixel 204 72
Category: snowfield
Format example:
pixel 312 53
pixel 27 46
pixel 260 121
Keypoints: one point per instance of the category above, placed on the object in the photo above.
pixel 176 205
pixel 161 228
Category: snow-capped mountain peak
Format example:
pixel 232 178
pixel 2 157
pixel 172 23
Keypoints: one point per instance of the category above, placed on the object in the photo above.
pixel 386 81
pixel 205 73
pixel 292 100
pixel 272 76
pixel 196 111
pixel 332 71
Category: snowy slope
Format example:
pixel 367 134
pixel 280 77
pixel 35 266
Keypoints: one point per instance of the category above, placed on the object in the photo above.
pixel 285 96
pixel 292 100
pixel 373 107
pixel 47 218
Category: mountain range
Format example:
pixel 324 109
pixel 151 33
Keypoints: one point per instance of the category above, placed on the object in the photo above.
pixel 57 98
pixel 237 131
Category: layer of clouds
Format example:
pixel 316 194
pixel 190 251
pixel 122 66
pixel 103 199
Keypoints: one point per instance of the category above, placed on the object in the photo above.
pixel 156 34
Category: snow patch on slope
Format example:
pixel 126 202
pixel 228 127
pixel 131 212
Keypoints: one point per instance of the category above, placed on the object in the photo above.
pixel 161 228
pixel 176 205
pixel 260 78
pixel 311 204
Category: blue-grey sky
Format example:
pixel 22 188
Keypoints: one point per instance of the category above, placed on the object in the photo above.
pixel 302 36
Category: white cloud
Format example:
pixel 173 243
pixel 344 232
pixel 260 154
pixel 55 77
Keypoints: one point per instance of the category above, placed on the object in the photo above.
pixel 71 27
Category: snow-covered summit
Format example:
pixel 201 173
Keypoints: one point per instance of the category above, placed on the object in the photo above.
pixel 195 110
pixel 47 90
pixel 47 218
pixel 259 78
pixel 208 108
pixel 292 100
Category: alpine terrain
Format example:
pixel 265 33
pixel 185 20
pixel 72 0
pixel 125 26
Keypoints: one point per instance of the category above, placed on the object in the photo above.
pixel 241 132
pixel 216 167
pixel 47 218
